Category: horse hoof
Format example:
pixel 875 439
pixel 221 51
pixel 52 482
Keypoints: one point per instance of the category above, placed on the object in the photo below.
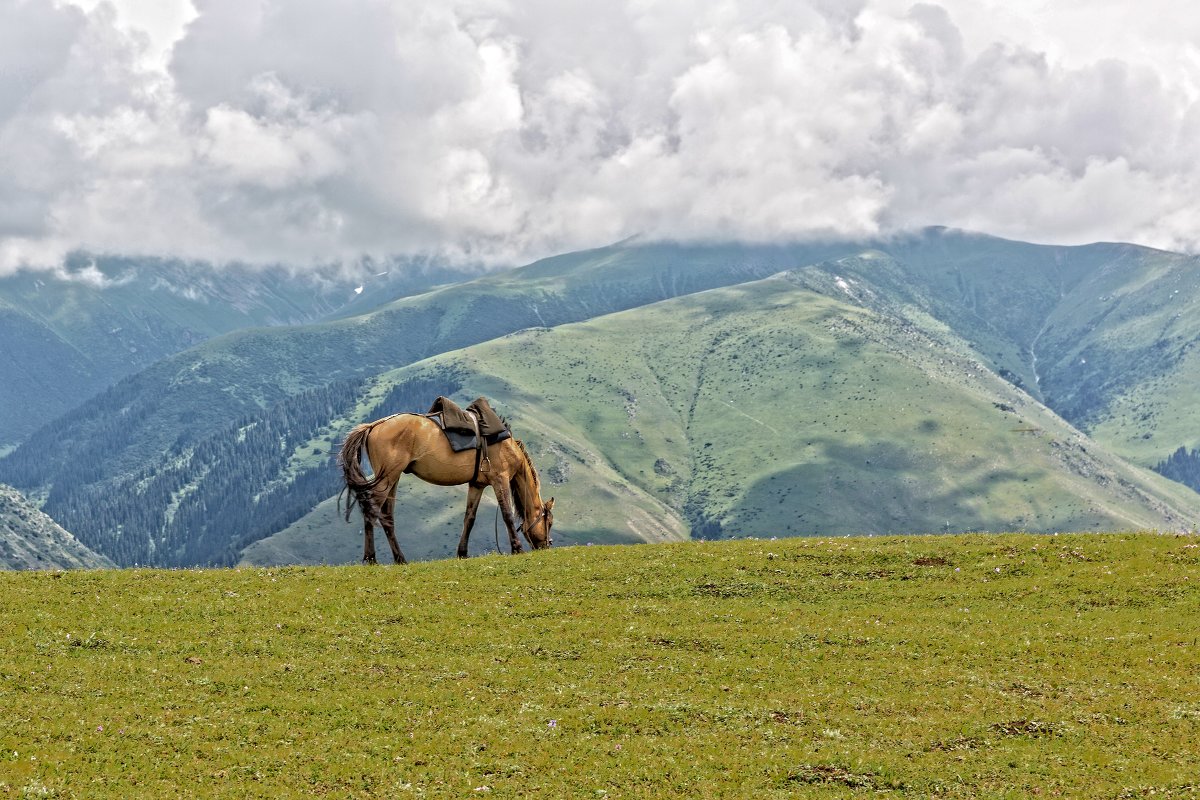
pixel 370 561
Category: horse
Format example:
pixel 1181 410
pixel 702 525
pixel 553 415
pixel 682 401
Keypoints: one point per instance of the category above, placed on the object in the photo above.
pixel 413 443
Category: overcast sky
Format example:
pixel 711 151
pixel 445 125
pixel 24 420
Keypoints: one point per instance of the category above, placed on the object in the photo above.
pixel 316 131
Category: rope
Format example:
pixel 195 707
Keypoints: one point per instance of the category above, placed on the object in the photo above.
pixel 496 529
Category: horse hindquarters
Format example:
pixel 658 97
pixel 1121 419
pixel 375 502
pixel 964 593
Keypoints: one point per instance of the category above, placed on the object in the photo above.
pixel 375 496
pixel 385 501
pixel 359 487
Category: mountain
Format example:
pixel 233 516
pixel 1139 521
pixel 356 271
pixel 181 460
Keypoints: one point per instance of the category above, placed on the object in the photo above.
pixel 82 462
pixel 926 382
pixel 31 540
pixel 1104 334
pixel 766 409
pixel 68 335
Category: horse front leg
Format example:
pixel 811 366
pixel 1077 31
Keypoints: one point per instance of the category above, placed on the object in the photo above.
pixel 474 494
pixel 504 498
pixel 389 528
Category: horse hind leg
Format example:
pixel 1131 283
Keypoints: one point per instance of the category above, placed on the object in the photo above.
pixel 474 494
pixel 389 528
pixel 368 540
pixel 372 503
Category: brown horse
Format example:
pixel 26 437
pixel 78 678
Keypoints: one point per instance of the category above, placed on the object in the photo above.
pixel 415 444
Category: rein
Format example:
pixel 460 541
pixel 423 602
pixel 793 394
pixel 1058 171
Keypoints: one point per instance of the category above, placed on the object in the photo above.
pixel 496 527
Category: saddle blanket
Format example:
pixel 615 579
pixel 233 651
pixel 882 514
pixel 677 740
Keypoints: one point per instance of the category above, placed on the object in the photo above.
pixel 458 425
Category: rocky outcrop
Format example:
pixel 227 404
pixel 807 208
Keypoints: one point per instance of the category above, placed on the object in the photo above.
pixel 31 540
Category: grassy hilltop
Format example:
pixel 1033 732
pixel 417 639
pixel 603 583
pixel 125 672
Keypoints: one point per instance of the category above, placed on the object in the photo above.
pixel 962 666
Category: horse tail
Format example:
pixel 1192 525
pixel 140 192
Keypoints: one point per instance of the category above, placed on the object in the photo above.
pixel 358 486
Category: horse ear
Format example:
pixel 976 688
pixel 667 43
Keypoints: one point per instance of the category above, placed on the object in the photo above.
pixel 549 504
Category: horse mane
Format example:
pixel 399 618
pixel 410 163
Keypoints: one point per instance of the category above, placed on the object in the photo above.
pixel 526 486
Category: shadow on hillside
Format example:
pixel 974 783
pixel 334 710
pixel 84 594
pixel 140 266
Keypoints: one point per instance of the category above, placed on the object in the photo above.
pixel 887 488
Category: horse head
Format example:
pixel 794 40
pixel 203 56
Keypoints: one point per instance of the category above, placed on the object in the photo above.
pixel 537 530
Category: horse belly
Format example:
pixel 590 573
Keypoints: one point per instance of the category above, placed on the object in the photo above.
pixel 445 470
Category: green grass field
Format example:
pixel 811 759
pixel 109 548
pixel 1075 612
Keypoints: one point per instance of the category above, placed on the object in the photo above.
pixel 963 666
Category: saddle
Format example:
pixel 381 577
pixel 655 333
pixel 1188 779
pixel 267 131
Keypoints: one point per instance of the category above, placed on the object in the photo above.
pixel 474 428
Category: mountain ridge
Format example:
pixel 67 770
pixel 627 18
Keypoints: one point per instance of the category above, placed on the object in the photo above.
pixel 903 472
pixel 72 333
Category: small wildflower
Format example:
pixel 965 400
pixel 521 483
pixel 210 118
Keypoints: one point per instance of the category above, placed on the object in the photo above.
pixel 553 723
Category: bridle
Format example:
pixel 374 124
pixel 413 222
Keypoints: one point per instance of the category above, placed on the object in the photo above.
pixel 524 526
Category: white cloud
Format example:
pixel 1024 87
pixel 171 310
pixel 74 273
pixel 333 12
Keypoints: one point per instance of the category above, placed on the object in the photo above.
pixel 310 131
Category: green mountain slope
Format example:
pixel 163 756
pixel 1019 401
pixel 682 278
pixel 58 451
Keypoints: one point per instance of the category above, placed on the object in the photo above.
pixel 767 409
pixel 68 336
pixel 67 339
pixel 1120 354
pixel 1104 334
